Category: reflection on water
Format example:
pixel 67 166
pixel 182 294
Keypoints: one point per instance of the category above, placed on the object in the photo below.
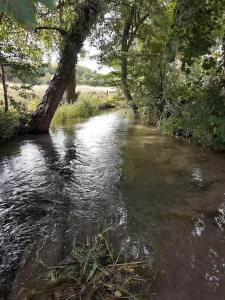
pixel 112 171
pixel 199 227
pixel 220 218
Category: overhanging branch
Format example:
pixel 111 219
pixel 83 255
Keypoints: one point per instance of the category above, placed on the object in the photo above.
pixel 60 30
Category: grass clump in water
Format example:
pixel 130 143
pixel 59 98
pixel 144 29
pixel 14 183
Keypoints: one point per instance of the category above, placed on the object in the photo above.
pixel 78 110
pixel 88 104
pixel 93 272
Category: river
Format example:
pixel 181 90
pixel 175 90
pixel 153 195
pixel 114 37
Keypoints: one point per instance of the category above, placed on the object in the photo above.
pixel 163 197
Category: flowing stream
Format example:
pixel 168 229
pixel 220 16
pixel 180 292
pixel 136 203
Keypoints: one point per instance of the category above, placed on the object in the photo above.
pixel 162 197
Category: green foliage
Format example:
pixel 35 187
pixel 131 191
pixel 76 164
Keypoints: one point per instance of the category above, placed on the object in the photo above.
pixel 88 105
pixel 202 120
pixel 83 108
pixel 24 11
pixel 196 26
pixel 9 124
pixel 88 77
pixel 205 118
pixel 84 76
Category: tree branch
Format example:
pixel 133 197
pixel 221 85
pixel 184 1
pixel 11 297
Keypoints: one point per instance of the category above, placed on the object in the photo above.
pixel 1 16
pixel 133 34
pixel 61 31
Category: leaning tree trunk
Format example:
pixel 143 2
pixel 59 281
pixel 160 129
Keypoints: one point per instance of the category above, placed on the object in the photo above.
pixel 72 44
pixel 71 89
pixel 6 103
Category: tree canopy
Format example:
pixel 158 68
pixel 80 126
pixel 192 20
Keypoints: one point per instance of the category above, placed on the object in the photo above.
pixel 168 57
pixel 25 11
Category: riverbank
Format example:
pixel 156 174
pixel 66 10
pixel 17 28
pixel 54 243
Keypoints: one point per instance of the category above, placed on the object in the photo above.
pixel 91 101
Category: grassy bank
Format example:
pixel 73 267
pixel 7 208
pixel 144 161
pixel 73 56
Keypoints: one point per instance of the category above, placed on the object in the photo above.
pixel 201 120
pixel 88 104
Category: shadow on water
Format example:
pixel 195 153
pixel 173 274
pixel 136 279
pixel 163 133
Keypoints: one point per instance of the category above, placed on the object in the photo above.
pixel 113 171
pixel 57 187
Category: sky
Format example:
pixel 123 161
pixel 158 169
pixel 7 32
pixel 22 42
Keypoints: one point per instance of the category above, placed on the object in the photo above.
pixel 90 62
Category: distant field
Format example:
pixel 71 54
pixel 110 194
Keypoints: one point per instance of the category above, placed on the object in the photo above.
pixel 39 91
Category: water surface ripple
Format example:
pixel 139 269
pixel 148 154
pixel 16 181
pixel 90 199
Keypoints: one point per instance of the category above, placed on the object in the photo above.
pixel 111 170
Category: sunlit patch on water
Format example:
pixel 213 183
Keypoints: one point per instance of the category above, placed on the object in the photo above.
pixel 197 176
pixel 199 227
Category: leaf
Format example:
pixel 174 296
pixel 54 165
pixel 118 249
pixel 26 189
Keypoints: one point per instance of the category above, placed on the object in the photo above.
pixel 48 3
pixel 23 11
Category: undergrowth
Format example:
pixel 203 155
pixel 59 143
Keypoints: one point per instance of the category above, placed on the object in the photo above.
pixel 86 106
pixel 79 110
pixel 10 123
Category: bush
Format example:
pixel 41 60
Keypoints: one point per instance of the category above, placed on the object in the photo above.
pixel 9 124
pixel 203 120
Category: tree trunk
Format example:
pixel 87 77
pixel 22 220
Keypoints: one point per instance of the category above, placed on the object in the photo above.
pixel 6 103
pixel 72 44
pixel 125 45
pixel 124 83
pixel 223 55
pixel 71 89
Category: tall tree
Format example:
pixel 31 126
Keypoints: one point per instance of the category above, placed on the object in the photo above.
pixel 117 36
pixel 3 77
pixel 16 56
pixel 73 40
pixel 71 89
pixel 133 19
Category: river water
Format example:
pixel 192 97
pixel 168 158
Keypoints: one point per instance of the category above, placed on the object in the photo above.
pixel 162 197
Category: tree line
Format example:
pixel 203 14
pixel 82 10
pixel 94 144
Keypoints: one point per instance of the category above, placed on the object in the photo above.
pixel 169 56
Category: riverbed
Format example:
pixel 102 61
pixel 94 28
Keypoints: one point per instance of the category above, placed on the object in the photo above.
pixel 162 197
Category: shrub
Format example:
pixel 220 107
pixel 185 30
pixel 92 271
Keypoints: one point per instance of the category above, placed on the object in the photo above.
pixel 9 124
pixel 203 119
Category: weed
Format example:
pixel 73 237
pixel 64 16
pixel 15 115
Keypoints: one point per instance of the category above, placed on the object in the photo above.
pixel 93 271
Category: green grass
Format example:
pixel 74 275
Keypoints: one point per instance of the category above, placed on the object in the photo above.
pixel 93 271
pixel 79 110
pixel 86 106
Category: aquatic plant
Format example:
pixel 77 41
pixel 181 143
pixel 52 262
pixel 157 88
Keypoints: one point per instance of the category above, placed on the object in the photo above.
pixel 93 271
